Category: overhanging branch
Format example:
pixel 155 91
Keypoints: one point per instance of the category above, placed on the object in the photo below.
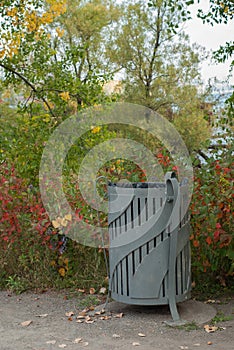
pixel 28 83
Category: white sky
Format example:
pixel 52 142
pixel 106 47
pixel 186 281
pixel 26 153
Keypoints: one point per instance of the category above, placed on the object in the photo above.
pixel 211 38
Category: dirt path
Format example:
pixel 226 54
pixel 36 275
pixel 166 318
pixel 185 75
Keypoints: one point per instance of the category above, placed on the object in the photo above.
pixel 52 329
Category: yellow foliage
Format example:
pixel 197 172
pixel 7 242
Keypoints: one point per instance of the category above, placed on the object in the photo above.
pixel 30 21
pixel 62 271
pixel 59 32
pixel 65 96
pixel 96 129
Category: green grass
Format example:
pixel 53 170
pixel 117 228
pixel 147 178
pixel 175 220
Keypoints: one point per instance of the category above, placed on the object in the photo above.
pixel 220 317
pixel 191 326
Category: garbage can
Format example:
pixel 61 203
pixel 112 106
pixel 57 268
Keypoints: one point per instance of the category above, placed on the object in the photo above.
pixel 149 256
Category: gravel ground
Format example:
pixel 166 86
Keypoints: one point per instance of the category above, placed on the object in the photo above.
pixel 51 325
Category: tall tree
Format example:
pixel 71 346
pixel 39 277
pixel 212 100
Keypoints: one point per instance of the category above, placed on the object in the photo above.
pixel 160 67
pixel 49 46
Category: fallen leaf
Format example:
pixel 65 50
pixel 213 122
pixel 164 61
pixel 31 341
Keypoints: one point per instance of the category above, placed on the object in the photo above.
pixel 56 223
pixel 105 318
pixel 102 290
pixel 62 346
pixel 183 347
pixel 209 343
pixel 68 217
pixel 42 316
pixel 64 222
pixel 80 321
pixel 51 342
pixel 91 291
pixel 210 301
pixel 85 343
pixel 101 312
pixel 91 308
pixel 197 344
pixel 69 314
pixel 135 344
pixel 62 271
pixel 89 322
pixel 81 290
pixel 210 329
pixel 77 340
pixel 26 323
pixel 116 336
pixel 141 334
pixel 80 317
pixel 70 319
pixel 119 315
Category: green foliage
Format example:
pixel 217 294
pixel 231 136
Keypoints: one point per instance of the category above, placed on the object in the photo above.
pixel 220 317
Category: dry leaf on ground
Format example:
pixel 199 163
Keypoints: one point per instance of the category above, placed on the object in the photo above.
pixel 135 344
pixel 42 316
pixel 210 301
pixel 141 335
pixel 91 291
pixel 69 314
pixel 116 336
pixel 105 318
pixel 210 329
pixel 51 342
pixel 101 312
pixel 209 343
pixel 77 340
pixel 119 315
pixel 26 323
pixel 102 290
pixel 62 346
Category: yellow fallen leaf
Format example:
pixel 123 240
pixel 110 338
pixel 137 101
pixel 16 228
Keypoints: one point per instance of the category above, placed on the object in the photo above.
pixel 64 222
pixel 68 217
pixel 56 223
pixel 26 323
pixel 62 271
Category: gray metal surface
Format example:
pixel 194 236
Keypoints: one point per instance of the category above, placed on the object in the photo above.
pixel 149 253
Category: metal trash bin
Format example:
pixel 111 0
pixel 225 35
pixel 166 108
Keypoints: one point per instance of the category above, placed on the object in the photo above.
pixel 149 256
